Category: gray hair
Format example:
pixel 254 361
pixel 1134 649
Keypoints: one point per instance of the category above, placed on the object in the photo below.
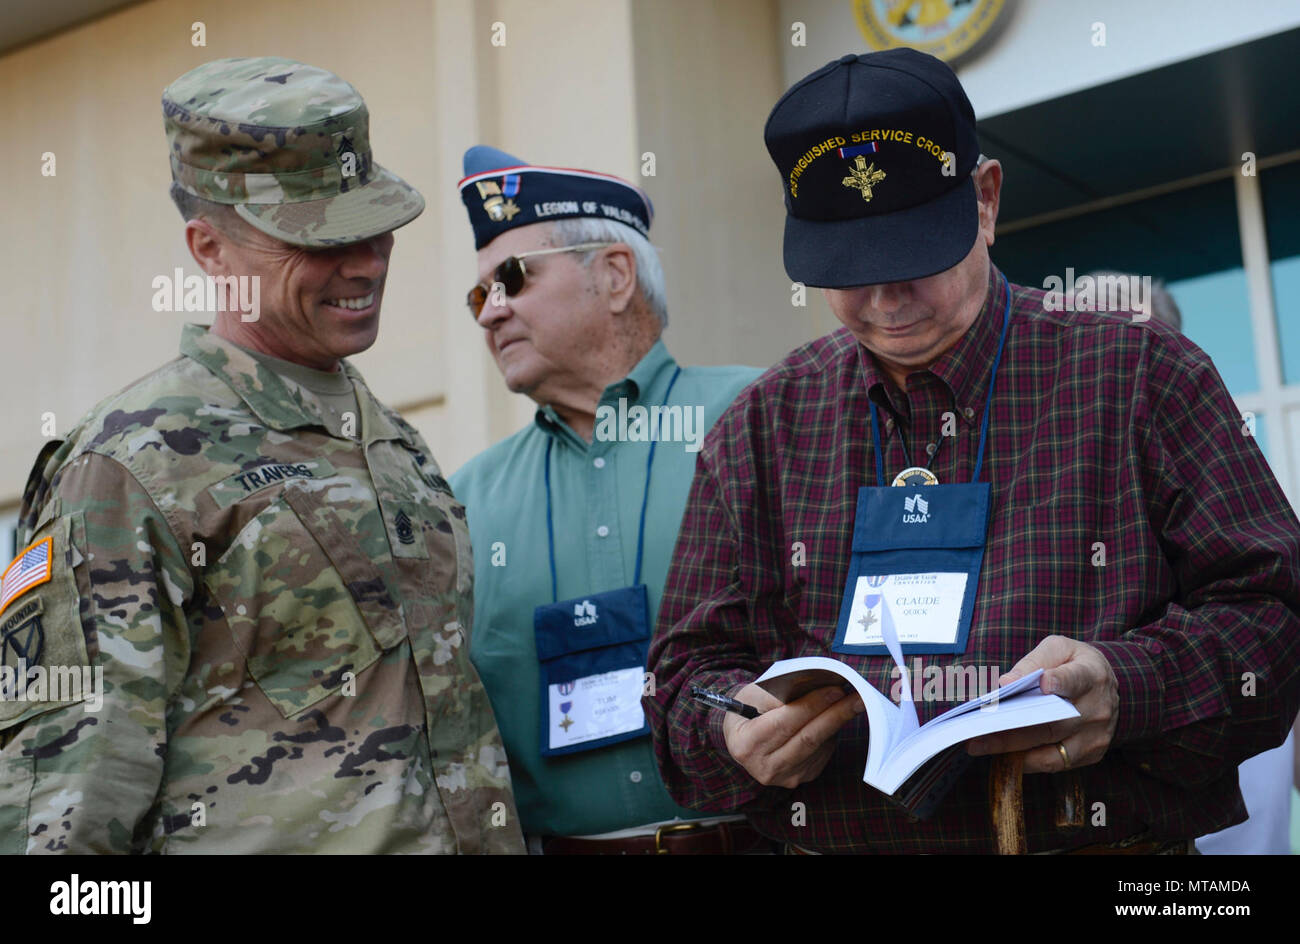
pixel 649 270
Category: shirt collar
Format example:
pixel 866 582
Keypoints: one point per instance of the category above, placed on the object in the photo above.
pixel 964 368
pixel 276 400
pixel 328 382
pixel 648 380
pixel 646 384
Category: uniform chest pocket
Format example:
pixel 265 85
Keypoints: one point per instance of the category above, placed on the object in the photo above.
pixel 434 532
pixel 304 604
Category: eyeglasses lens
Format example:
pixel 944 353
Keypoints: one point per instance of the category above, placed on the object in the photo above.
pixel 509 273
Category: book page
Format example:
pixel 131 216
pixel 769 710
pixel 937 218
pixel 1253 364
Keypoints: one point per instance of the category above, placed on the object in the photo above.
pixel 989 698
pixel 907 708
pixel 1017 711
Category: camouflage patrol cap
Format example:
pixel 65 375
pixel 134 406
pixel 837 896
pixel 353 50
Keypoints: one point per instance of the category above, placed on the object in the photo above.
pixel 288 146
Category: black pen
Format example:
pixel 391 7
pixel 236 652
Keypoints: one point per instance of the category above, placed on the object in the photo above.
pixel 726 703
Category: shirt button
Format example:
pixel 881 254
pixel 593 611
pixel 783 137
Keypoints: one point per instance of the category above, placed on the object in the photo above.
pixel 931 449
pixel 970 414
pixel 603 531
pixel 598 462
pixel 635 776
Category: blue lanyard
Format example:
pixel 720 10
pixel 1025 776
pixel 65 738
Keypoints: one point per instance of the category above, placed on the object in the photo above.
pixel 988 402
pixel 645 497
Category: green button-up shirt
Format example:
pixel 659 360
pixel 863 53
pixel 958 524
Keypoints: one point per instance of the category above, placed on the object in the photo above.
pixel 596 492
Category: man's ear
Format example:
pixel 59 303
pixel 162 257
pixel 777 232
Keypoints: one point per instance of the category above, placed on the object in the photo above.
pixel 988 190
pixel 618 271
pixel 209 246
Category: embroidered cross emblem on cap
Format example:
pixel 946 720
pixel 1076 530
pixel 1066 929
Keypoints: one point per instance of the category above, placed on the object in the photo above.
pixel 863 177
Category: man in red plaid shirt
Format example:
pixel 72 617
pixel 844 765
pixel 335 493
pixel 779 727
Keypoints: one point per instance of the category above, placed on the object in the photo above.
pixel 1133 543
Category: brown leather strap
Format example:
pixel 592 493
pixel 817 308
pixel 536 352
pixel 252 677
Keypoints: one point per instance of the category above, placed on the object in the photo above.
pixel 673 839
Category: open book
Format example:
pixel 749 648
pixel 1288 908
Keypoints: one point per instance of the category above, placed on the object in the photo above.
pixel 900 747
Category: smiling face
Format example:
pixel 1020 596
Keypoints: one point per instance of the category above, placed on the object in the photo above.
pixel 556 333
pixel 317 306
pixel 909 325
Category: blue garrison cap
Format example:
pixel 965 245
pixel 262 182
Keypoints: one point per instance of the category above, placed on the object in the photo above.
pixel 501 192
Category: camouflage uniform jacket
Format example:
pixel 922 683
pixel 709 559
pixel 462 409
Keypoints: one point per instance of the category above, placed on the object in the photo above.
pixel 282 620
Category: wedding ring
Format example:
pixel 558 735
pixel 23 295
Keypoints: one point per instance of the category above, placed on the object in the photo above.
pixel 1065 757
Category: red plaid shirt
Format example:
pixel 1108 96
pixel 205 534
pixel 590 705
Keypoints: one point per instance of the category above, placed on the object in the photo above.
pixel 1101 430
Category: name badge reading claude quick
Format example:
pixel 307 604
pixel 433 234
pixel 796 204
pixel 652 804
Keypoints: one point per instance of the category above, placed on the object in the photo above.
pixel 922 608
pixel 915 567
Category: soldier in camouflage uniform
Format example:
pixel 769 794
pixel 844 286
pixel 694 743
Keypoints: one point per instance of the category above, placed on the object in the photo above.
pixel 280 605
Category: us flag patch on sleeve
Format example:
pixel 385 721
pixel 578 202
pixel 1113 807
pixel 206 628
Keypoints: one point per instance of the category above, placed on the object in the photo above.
pixel 31 568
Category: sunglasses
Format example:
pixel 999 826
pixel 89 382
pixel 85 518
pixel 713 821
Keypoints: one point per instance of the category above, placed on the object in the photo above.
pixel 511 273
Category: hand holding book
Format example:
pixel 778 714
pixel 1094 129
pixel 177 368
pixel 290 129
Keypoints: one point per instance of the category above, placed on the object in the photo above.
pixel 789 744
pixel 898 747
pixel 914 764
pixel 1083 676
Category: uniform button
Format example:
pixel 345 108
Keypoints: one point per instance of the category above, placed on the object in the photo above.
pixel 598 462
pixel 603 531
pixel 970 414
pixel 931 449
pixel 635 776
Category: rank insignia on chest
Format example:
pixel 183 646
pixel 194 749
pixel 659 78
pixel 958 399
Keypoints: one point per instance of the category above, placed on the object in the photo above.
pixel 405 533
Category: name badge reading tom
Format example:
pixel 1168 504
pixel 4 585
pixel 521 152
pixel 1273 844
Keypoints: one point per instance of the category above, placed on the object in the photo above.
pixel 591 653
pixel 595 708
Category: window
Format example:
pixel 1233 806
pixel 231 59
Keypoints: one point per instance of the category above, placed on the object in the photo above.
pixel 1281 194
pixel 1187 238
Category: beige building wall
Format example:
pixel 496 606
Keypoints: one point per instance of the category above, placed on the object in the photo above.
pixel 707 76
pixel 595 83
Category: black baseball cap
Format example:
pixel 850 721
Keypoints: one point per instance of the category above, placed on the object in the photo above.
pixel 875 153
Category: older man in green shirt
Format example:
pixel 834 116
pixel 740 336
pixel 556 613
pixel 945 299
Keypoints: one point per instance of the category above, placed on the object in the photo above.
pixel 574 518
